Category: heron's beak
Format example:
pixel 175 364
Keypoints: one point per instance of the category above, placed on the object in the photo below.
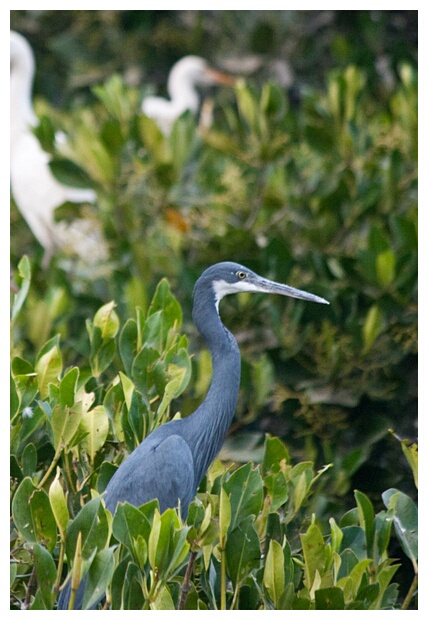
pixel 219 77
pixel 268 286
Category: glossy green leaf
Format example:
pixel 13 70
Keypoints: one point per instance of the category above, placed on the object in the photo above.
pixel 242 550
pixel 107 321
pixel 275 454
pixel 59 505
pixel 129 524
pixel 69 173
pixel 67 387
pixel 372 327
pixel 128 342
pixel 29 460
pixel 99 576
pixel 405 522
pixel 33 516
pixel 48 367
pixel 245 491
pixel 94 424
pixel 65 423
pixel 164 313
pixel 14 398
pixel 46 574
pixel 24 271
pixel 314 553
pixel 385 267
pixel 366 518
pixel 132 595
pixel 224 513
pixel 273 576
pixel 163 600
pixel 329 598
pixel 351 583
pixel 91 521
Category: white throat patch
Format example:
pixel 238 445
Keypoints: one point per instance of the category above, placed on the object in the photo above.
pixel 222 288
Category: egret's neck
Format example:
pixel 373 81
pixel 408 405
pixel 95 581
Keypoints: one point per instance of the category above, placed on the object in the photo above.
pixel 21 82
pixel 217 411
pixel 183 92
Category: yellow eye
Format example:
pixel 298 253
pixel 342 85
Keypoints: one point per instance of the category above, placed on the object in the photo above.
pixel 241 274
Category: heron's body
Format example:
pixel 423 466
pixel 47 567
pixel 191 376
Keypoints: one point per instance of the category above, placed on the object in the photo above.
pixel 170 463
pixel 36 191
pixel 184 78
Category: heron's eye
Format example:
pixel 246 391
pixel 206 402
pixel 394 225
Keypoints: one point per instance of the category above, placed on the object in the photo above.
pixel 241 274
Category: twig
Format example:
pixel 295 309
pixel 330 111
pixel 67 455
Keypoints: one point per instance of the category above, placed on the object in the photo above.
pixel 410 593
pixel 31 588
pixel 185 587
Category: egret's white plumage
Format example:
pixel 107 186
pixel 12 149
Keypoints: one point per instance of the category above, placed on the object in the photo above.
pixel 184 78
pixel 37 193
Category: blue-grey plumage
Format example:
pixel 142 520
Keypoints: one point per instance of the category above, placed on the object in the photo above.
pixel 171 462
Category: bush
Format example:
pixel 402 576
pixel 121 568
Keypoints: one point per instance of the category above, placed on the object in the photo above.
pixel 252 542
pixel 322 196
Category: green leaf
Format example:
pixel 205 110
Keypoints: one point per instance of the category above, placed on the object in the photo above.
pixel 29 460
pixel 175 386
pixel 245 490
pixel 92 522
pixel 385 267
pixel 277 489
pixel 275 455
pixel 99 576
pixel 154 538
pixel 167 546
pixel 69 173
pixel 405 522
pixel 314 553
pixel 65 423
pixel 163 600
pixel 373 326
pixel 24 271
pixel 46 574
pixel 355 538
pixel 67 388
pixel 351 583
pixel 59 505
pixel 107 321
pixel 329 598
pixel 366 518
pixel 242 550
pixel 129 524
pixel 247 105
pixel 224 514
pixel 130 585
pixel 48 368
pixel 336 535
pixel 128 342
pixel 94 424
pixel 32 514
pixel 273 575
pixel 410 451
pixel 164 313
pixel 14 398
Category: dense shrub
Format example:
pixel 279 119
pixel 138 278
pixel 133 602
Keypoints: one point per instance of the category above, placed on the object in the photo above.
pixel 322 196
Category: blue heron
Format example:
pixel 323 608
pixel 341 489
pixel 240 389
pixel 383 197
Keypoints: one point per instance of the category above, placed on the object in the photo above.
pixel 171 462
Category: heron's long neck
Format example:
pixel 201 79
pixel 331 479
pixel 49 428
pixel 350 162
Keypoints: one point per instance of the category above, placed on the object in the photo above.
pixel 217 411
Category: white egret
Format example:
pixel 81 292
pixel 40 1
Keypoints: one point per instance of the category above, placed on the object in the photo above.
pixel 184 78
pixel 37 193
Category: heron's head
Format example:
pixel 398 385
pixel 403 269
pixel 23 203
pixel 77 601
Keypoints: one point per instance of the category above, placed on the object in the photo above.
pixel 228 278
pixel 20 52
